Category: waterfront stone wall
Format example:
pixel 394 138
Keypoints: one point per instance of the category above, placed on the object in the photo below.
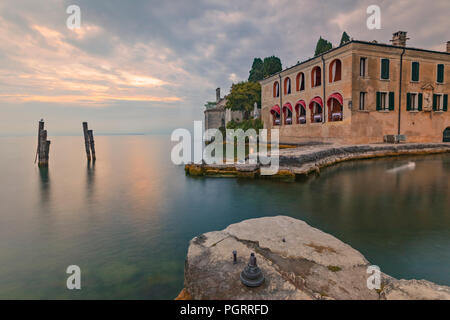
pixel 304 160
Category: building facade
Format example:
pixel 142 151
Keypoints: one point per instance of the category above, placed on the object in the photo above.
pixel 218 116
pixel 361 92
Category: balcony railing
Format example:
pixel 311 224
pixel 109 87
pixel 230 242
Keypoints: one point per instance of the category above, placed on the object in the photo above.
pixel 318 118
pixel 337 116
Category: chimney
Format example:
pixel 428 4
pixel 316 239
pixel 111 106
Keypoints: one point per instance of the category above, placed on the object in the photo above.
pixel 399 39
pixel 217 94
pixel 448 46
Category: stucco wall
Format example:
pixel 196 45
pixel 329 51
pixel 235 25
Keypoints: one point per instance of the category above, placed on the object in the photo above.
pixel 214 119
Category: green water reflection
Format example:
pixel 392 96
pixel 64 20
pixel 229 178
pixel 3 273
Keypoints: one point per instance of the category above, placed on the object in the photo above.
pixel 127 220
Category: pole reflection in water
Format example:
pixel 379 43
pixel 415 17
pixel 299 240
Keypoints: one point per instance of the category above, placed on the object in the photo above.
pixel 44 186
pixel 90 180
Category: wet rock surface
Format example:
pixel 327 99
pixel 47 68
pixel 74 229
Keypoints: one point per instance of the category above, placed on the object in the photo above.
pixel 297 260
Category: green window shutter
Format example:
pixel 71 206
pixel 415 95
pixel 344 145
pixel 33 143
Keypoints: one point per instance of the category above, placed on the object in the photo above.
pixel 408 101
pixel 440 73
pixel 384 68
pixel 435 102
pixel 420 102
pixel 391 101
pixel 444 105
pixel 415 71
pixel 378 100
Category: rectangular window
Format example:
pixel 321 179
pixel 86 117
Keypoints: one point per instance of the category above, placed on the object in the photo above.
pixel 385 69
pixel 437 102
pixel 362 67
pixel 440 73
pixel 414 101
pixel 362 100
pixel 382 101
pixel 415 71
pixel 440 102
pixel 385 101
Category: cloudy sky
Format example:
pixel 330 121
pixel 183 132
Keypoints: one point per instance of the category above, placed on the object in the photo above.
pixel 147 66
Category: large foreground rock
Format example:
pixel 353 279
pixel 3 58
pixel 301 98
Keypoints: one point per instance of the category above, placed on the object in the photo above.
pixel 298 261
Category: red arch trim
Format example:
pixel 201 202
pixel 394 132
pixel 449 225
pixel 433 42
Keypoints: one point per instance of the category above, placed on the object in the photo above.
pixel 287 105
pixel 336 96
pixel 302 103
pixel 276 109
pixel 317 100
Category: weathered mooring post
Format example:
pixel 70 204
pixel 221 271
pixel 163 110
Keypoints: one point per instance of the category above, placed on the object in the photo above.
pixel 89 142
pixel 43 149
pixel 40 129
pixel 86 140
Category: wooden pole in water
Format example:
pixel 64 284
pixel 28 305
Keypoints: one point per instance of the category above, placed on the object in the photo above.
pixel 44 146
pixel 40 129
pixel 86 140
pixel 91 142
pixel 47 152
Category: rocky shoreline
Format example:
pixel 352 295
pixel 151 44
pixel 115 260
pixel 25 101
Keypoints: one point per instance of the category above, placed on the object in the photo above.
pixel 298 262
pixel 304 160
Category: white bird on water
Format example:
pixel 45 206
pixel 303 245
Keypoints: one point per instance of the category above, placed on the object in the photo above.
pixel 409 166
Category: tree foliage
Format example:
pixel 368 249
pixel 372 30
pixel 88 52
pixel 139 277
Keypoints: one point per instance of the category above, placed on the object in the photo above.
pixel 345 38
pixel 261 69
pixel 322 46
pixel 210 104
pixel 242 97
pixel 257 71
pixel 272 65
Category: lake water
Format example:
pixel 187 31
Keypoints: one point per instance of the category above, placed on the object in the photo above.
pixel 127 221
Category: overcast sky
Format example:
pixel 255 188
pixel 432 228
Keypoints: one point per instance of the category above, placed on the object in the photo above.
pixel 146 66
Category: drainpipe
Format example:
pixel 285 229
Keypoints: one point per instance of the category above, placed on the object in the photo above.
pixel 400 91
pixel 280 90
pixel 323 85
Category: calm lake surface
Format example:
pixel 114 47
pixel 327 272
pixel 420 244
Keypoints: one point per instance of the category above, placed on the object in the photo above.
pixel 127 221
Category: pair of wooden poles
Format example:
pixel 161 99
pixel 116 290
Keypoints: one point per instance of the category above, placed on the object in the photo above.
pixel 89 142
pixel 43 148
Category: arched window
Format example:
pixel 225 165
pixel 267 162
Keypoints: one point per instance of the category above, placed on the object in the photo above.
pixel 300 109
pixel 446 137
pixel 287 86
pixel 276 89
pixel 287 112
pixel 335 70
pixel 316 79
pixel 300 81
pixel 316 106
pixel 335 110
pixel 275 111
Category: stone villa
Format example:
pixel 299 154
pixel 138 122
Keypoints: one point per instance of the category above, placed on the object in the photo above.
pixel 362 92
pixel 219 116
